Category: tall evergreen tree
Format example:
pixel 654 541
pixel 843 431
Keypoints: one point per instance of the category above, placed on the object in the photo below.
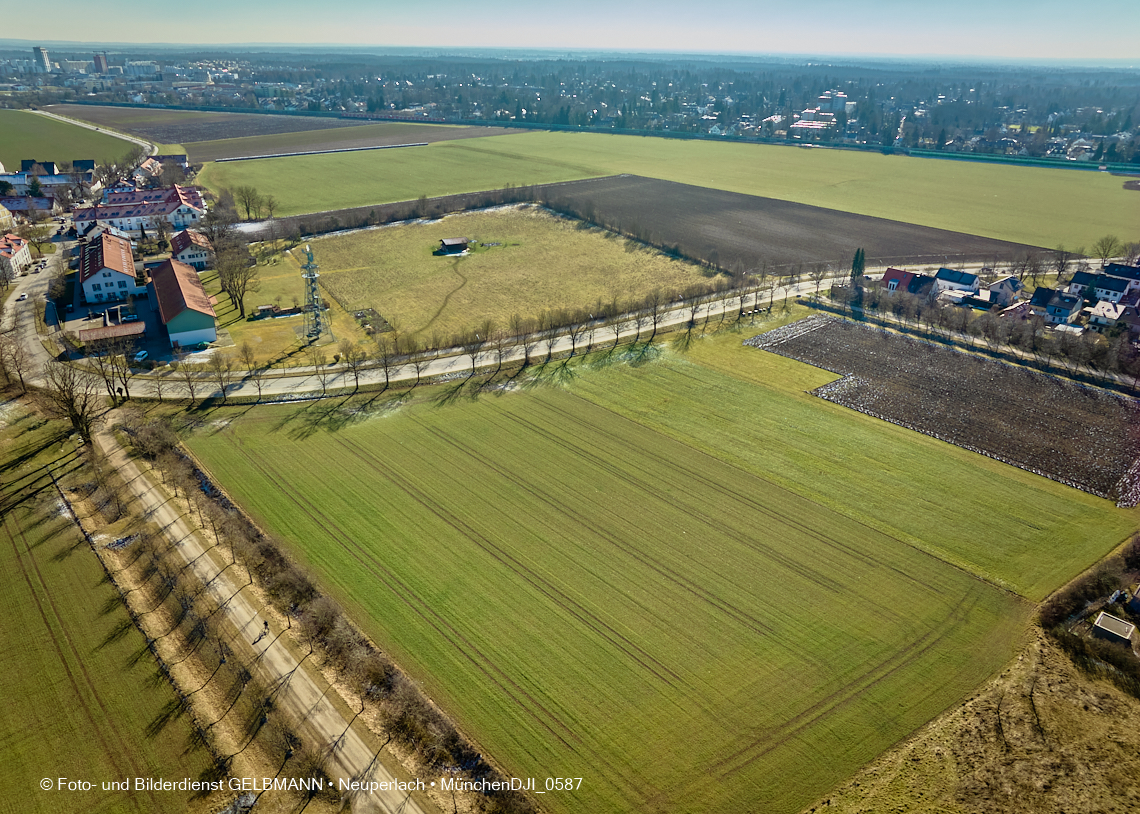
pixel 858 265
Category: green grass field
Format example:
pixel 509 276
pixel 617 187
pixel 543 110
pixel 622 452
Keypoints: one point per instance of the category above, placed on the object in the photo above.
pixel 79 701
pixel 24 134
pixel 543 263
pixel 686 581
pixel 1040 207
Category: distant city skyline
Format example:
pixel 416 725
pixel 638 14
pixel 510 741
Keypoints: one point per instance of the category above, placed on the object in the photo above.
pixel 1015 29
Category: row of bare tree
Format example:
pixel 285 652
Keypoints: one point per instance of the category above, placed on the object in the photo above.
pixel 406 715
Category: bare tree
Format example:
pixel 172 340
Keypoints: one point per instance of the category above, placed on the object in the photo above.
pixel 158 385
pixel 15 359
pixel 818 272
pixel 99 360
pixel 656 306
pixel 71 394
pixel 248 198
pixel 238 276
pixel 269 205
pixel 386 356
pixel 319 360
pixel 352 355
pixel 221 367
pixel 188 376
pixel 1107 247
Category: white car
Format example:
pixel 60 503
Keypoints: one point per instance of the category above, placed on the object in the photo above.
pixel 21 298
pixel 142 354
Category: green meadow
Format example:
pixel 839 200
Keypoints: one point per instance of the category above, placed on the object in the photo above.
pixel 83 698
pixel 1041 207
pixel 24 134
pixel 680 577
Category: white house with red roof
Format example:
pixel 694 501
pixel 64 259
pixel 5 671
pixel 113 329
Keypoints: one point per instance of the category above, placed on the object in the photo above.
pixel 137 211
pixel 107 270
pixel 15 256
pixel 191 248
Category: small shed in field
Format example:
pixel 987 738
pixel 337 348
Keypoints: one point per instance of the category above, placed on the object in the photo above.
pixel 1113 629
pixel 453 245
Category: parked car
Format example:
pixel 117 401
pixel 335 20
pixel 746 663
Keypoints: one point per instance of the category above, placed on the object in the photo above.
pixel 142 354
pixel 21 298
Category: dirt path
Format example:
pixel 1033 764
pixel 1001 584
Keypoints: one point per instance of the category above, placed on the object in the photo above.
pixel 301 695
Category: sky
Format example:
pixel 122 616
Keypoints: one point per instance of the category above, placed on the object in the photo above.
pixel 987 29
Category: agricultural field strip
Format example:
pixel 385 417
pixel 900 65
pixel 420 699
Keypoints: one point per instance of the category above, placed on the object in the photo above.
pixel 755 414
pixel 1077 435
pixel 1031 206
pixel 750 230
pixel 59 646
pixel 84 690
pixel 27 135
pixel 554 499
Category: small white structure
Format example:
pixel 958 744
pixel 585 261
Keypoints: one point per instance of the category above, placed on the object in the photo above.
pixel 1114 629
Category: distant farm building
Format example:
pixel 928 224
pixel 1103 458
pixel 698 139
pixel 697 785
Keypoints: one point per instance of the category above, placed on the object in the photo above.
pixel 1112 629
pixel 454 245
pixel 183 305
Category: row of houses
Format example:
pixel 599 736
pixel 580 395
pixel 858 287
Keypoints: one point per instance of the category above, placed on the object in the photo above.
pixel 134 211
pixel 1114 293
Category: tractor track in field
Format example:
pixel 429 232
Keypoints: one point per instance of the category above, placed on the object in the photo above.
pixel 827 540
pixel 406 595
pixel 897 660
pixel 100 731
pixel 727 609
pixel 537 581
pixel 663 464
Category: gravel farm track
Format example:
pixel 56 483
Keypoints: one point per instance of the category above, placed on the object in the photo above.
pixel 208 136
pixel 1082 436
pixel 750 229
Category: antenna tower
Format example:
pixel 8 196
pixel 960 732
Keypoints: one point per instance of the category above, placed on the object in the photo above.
pixel 316 322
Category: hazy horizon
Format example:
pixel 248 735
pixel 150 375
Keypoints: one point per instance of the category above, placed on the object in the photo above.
pixel 1015 31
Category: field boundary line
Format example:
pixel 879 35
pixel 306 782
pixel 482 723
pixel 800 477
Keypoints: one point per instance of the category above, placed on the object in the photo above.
pixel 321 152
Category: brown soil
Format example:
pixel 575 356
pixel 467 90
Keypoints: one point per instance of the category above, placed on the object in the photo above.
pixel 1082 436
pixel 188 126
pixel 751 230
pixel 1042 738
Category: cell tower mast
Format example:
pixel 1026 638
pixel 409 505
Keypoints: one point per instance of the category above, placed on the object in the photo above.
pixel 316 322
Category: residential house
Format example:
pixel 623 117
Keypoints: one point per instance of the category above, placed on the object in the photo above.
pixel 1103 286
pixel 178 158
pixel 148 170
pixel 1106 314
pixel 1005 292
pixel 1113 629
pixel 954 280
pixel 183 305
pixel 1063 309
pixel 15 256
pixel 191 248
pixel 136 212
pixel 1123 272
pixel 6 220
pixel 107 270
pixel 896 280
pixel 1039 302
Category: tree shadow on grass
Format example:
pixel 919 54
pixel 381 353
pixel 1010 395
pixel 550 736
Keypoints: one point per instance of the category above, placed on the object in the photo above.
pixel 173 710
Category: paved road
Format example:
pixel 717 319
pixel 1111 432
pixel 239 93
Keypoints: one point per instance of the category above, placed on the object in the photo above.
pixel 351 759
